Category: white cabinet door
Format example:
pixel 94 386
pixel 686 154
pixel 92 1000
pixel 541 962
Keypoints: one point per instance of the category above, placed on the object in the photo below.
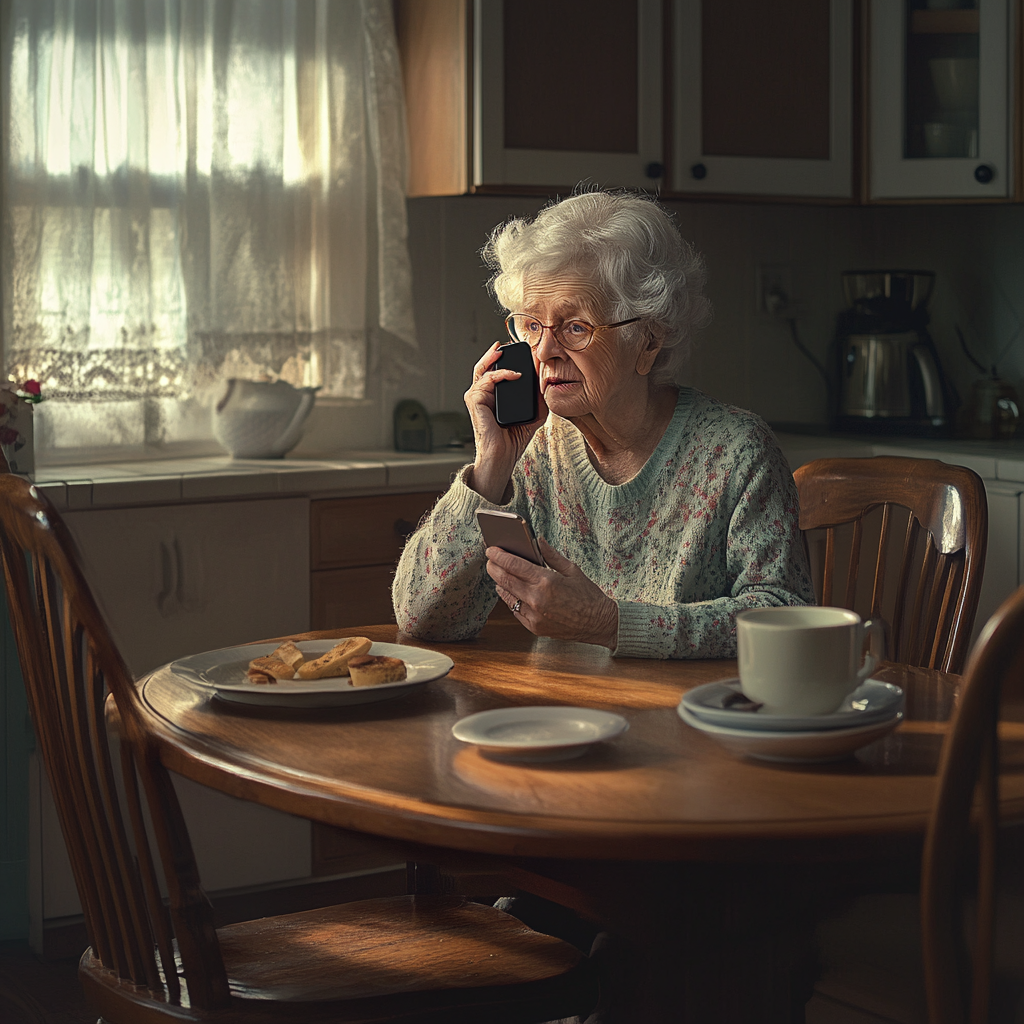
pixel 178 579
pixel 174 580
pixel 1003 562
pixel 566 93
pixel 940 112
pixel 763 98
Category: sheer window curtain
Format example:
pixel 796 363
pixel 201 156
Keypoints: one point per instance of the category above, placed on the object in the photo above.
pixel 194 190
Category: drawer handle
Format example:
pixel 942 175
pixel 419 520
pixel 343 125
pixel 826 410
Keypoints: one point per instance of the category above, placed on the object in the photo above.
pixel 404 529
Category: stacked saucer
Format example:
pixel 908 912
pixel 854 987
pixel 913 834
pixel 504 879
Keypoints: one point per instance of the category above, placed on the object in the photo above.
pixel 718 709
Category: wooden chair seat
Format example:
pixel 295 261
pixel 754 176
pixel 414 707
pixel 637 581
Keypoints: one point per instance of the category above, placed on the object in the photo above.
pixel 423 959
pixel 901 541
pixel 399 958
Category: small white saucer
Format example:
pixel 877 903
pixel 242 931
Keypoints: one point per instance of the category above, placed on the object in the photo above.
pixel 796 747
pixel 538 733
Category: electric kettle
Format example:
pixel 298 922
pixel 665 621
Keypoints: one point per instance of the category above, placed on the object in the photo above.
pixel 890 380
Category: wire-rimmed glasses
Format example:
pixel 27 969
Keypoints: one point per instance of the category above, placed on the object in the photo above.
pixel 573 335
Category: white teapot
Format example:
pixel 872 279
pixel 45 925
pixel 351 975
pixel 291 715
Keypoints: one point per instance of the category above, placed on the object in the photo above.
pixel 261 419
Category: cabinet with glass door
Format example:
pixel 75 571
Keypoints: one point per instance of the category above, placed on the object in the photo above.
pixel 940 116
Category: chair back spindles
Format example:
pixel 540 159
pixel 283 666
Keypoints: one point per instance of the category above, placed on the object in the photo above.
pixel 916 640
pixel 147 872
pixel 828 581
pixel 853 570
pixel 924 592
pixel 71 666
pixel 878 580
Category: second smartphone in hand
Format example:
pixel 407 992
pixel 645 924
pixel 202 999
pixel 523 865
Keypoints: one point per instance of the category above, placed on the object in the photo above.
pixel 511 532
pixel 515 401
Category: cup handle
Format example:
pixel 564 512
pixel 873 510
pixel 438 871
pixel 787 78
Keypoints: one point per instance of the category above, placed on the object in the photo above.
pixel 873 627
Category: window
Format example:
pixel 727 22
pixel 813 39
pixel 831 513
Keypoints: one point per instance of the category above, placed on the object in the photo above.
pixel 195 191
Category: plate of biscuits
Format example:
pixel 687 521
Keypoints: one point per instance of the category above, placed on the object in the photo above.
pixel 314 673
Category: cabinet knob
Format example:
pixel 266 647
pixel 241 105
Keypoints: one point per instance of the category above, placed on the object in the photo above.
pixel 654 169
pixel 983 174
pixel 699 171
pixel 404 529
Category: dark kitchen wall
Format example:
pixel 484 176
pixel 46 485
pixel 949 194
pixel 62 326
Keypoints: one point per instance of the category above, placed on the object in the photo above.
pixel 745 356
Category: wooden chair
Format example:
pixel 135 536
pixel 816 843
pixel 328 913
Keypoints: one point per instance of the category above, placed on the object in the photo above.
pixel 969 768
pixel 415 959
pixel 925 586
pixel 906 957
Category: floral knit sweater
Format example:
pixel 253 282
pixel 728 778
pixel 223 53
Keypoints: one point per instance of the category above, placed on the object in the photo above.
pixel 707 528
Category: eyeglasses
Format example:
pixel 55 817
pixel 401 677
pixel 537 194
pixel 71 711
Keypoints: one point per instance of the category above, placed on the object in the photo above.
pixel 573 335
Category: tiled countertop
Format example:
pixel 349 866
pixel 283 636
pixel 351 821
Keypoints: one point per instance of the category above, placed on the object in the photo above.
pixel 992 460
pixel 106 485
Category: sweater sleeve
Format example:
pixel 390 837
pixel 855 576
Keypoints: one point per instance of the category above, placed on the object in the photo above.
pixel 441 589
pixel 765 564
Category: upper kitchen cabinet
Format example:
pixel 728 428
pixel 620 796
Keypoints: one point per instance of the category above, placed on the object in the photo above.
pixel 762 98
pixel 940 123
pixel 531 95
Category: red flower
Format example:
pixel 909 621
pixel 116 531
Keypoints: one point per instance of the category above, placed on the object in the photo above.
pixel 8 435
pixel 33 387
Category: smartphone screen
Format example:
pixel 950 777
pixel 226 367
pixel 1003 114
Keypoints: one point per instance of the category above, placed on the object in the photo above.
pixel 511 532
pixel 515 401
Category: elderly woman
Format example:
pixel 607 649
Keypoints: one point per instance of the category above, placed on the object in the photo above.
pixel 661 512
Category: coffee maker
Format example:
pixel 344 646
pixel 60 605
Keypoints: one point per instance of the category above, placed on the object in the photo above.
pixel 890 381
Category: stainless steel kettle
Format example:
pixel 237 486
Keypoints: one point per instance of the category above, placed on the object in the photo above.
pixel 889 375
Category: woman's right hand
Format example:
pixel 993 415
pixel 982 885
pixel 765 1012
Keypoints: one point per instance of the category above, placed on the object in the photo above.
pixel 498 448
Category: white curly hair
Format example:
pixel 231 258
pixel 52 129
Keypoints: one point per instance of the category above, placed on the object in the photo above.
pixel 628 244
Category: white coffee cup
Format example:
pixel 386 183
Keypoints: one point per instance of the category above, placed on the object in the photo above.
pixel 803 660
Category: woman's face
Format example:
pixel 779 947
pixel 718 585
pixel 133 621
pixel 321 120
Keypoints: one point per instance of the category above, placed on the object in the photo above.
pixel 586 382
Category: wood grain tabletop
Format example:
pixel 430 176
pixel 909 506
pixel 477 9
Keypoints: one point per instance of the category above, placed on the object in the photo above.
pixel 661 791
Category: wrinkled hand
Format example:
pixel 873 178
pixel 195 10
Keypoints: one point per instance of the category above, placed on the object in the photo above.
pixel 559 601
pixel 498 448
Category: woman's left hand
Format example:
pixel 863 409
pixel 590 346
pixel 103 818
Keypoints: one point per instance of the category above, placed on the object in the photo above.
pixel 559 601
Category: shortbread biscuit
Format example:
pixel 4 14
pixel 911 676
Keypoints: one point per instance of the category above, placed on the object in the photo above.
pixel 289 653
pixel 272 667
pixel 372 670
pixel 335 662
pixel 255 676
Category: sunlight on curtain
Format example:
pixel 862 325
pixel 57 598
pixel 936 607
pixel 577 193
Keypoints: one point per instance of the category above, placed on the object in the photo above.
pixel 198 189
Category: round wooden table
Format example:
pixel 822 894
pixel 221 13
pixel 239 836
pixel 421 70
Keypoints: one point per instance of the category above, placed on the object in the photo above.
pixel 662 791
pixel 590 832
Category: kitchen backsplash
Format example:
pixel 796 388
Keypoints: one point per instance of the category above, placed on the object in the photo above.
pixel 745 356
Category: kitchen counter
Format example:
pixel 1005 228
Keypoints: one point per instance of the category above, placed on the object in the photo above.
pixel 991 460
pixel 219 477
pixel 214 478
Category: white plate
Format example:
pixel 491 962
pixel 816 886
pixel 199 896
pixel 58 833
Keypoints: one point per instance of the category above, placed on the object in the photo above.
pixel 538 733
pixel 872 701
pixel 827 745
pixel 224 671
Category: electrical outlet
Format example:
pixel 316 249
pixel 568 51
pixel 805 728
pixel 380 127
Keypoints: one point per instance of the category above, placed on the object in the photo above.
pixel 774 294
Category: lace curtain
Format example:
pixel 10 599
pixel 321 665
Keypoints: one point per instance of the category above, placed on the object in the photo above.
pixel 197 189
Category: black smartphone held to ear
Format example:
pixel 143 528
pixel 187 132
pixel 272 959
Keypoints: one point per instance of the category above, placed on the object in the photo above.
pixel 511 532
pixel 515 401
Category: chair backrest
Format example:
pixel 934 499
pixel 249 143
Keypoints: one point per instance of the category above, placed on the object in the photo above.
pixel 70 663
pixel 925 586
pixel 969 763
